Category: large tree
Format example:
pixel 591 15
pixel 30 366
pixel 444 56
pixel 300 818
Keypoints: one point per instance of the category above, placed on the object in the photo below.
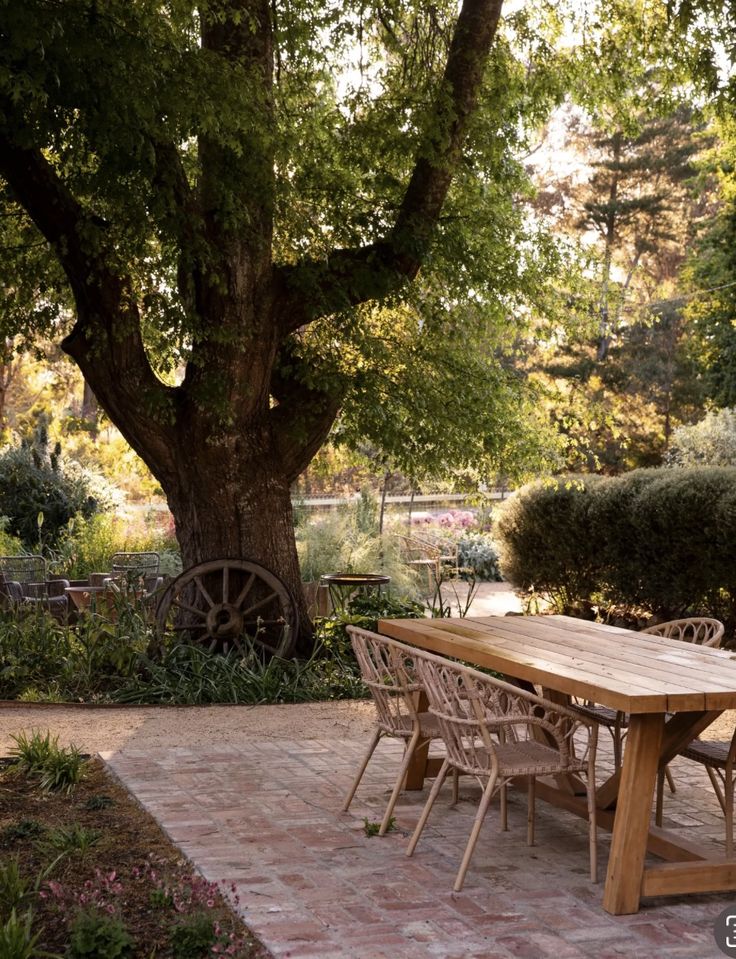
pixel 228 204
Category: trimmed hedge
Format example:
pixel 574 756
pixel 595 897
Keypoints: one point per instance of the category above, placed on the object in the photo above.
pixel 659 539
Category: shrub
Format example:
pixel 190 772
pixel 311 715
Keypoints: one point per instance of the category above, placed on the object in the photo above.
pixel 711 442
pixel 543 535
pixel 337 544
pixel 661 539
pixel 478 552
pixel 88 544
pixel 44 659
pixel 37 495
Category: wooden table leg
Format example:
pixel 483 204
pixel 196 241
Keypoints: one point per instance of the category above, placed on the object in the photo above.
pixel 633 813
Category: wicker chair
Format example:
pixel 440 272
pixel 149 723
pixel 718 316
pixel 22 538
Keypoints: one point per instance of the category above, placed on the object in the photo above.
pixel 23 585
pixel 697 630
pixel 136 564
pixel 705 632
pixel 718 759
pixel 701 631
pixel 470 708
pixel 387 670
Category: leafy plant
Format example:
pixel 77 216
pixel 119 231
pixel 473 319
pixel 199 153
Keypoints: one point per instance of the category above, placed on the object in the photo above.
pixel 477 552
pixel 18 940
pixel 16 890
pixel 69 839
pixel 63 770
pixel 24 829
pixel 56 767
pixel 33 752
pixel 98 935
pixel 99 801
pixel 373 828
pixel 193 937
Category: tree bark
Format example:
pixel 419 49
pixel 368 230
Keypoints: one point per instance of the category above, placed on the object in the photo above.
pixel 231 500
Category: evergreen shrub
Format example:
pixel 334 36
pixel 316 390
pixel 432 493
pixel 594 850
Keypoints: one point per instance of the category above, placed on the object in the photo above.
pixel 657 539
pixel 543 536
pixel 37 494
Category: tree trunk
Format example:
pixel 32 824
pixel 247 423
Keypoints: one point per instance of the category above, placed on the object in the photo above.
pixel 232 501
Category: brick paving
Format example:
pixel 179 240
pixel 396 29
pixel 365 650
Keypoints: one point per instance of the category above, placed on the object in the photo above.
pixel 264 815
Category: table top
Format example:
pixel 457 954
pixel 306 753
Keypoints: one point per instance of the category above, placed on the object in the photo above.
pixel 634 672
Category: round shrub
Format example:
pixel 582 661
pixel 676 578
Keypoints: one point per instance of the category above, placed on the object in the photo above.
pixel 616 537
pixel 34 487
pixel 478 552
pixel 543 536
pixel 679 522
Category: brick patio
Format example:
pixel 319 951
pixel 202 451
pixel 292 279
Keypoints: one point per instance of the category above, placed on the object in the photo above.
pixel 265 816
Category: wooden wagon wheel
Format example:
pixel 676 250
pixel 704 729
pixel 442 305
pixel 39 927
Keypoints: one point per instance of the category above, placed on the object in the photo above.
pixel 224 602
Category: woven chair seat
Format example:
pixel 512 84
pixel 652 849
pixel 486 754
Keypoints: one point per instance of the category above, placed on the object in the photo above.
pixel 708 752
pixel 603 715
pixel 404 726
pixel 531 758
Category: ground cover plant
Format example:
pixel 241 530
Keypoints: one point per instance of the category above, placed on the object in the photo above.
pixel 88 873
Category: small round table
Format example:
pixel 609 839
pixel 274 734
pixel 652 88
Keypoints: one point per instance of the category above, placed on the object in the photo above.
pixel 100 598
pixel 343 586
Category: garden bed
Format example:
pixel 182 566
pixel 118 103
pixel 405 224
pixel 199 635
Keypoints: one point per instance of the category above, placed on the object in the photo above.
pixel 121 866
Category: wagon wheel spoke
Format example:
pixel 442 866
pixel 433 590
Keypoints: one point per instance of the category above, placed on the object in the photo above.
pixel 261 602
pixel 186 629
pixel 244 591
pixel 190 609
pixel 225 583
pixel 203 591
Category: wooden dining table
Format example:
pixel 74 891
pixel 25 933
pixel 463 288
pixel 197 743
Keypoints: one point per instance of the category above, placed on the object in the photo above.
pixel 671 691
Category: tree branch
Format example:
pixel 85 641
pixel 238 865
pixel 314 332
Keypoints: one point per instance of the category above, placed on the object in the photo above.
pixel 301 420
pixel 311 289
pixel 106 340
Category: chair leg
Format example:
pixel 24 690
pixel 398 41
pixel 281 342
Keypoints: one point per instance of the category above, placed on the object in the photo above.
pixel 592 826
pixel 716 783
pixel 505 807
pixel 377 733
pixel 408 753
pixel 660 797
pixel 475 832
pixel 616 734
pixel 670 780
pixel 531 796
pixel 455 787
pixel 728 790
pixel 434 792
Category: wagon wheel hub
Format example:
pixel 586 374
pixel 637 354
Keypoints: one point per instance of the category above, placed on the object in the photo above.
pixel 224 621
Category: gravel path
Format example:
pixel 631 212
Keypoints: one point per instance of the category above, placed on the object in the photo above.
pixel 95 729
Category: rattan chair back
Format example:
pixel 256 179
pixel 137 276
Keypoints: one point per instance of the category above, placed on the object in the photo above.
pixel 698 630
pixel 388 673
pixel 23 569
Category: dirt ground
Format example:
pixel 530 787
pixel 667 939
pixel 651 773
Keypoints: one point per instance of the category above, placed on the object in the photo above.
pixel 94 729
